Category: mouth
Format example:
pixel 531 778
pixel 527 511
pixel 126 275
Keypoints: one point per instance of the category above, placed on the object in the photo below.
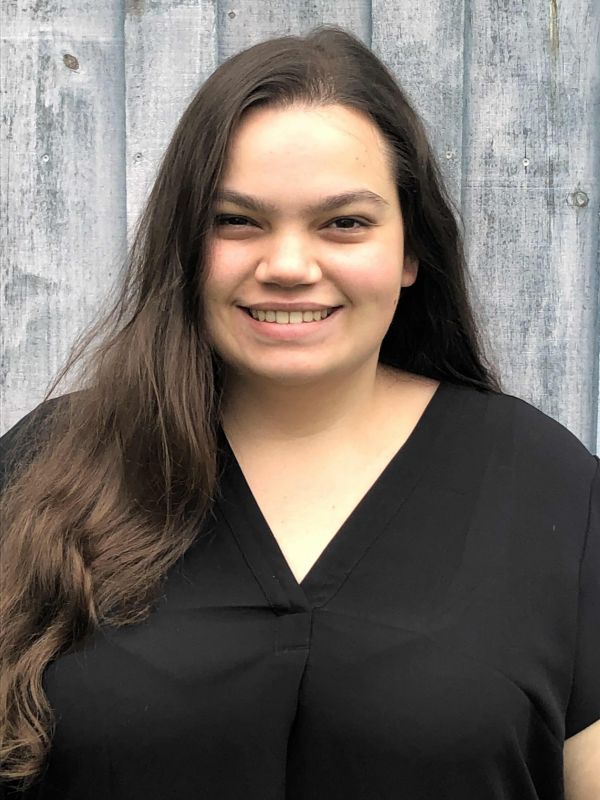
pixel 282 330
pixel 294 317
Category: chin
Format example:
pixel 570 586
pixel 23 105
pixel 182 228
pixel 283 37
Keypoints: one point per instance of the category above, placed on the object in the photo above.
pixel 286 375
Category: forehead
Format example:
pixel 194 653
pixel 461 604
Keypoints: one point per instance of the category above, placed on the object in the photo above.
pixel 299 129
pixel 322 153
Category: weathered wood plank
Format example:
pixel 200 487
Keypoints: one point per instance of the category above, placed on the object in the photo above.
pixel 423 45
pixel 170 50
pixel 530 196
pixel 63 202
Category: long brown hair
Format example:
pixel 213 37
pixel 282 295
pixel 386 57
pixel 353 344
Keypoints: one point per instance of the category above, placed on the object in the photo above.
pixel 111 491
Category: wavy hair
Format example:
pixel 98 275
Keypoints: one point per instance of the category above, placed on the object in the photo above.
pixel 113 488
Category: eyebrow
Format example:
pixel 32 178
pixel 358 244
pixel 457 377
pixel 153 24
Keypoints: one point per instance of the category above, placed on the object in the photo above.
pixel 326 204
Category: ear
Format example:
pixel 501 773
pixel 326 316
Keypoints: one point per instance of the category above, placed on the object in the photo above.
pixel 409 271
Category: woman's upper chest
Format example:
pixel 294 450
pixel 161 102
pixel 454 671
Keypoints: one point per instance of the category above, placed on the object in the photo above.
pixel 306 495
pixel 305 516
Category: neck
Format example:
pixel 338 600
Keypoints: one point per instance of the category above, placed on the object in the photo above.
pixel 325 410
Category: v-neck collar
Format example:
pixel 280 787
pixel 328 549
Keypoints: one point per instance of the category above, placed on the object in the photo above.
pixel 381 501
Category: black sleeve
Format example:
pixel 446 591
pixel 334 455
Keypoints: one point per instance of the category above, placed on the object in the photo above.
pixel 21 442
pixel 584 701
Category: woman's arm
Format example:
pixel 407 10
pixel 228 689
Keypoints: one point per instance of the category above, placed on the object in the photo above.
pixel 582 764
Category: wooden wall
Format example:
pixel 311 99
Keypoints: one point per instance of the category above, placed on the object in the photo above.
pixel 510 93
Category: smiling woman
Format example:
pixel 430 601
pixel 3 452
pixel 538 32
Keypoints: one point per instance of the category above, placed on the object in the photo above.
pixel 289 540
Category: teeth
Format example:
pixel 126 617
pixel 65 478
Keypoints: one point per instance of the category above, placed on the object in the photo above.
pixel 285 317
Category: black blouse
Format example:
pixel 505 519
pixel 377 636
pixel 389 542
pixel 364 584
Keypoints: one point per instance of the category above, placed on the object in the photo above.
pixel 443 645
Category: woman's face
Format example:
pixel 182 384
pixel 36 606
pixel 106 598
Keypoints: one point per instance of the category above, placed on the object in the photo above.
pixel 288 252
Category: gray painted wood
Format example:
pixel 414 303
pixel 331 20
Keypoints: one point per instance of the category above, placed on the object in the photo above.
pixel 170 49
pixel 530 195
pixel 510 99
pixel 62 201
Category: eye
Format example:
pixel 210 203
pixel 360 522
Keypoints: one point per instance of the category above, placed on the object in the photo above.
pixel 362 223
pixel 224 220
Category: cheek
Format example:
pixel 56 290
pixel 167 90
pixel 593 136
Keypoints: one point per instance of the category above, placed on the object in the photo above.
pixel 222 267
pixel 379 283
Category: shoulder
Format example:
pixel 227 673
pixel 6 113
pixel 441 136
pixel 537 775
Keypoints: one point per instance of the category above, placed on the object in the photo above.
pixel 533 449
pixel 33 420
pixel 538 431
pixel 19 444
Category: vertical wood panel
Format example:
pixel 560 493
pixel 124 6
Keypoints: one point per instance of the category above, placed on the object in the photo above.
pixel 170 50
pixel 62 202
pixel 423 44
pixel 530 195
pixel 247 23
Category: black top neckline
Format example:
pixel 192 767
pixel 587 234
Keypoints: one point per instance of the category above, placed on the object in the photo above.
pixel 385 496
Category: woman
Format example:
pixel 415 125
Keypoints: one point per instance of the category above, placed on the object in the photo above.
pixel 290 539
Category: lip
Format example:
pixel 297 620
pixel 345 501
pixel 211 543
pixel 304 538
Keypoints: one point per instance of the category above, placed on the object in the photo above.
pixel 291 330
pixel 273 306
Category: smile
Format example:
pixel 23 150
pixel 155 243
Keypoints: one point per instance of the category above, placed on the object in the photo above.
pixel 287 317
pixel 290 326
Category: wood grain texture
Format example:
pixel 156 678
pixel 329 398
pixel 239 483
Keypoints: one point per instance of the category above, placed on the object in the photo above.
pixel 530 195
pixel 63 184
pixel 170 50
pixel 510 96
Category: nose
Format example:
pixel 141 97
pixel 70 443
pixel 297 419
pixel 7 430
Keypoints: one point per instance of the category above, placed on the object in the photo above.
pixel 288 264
